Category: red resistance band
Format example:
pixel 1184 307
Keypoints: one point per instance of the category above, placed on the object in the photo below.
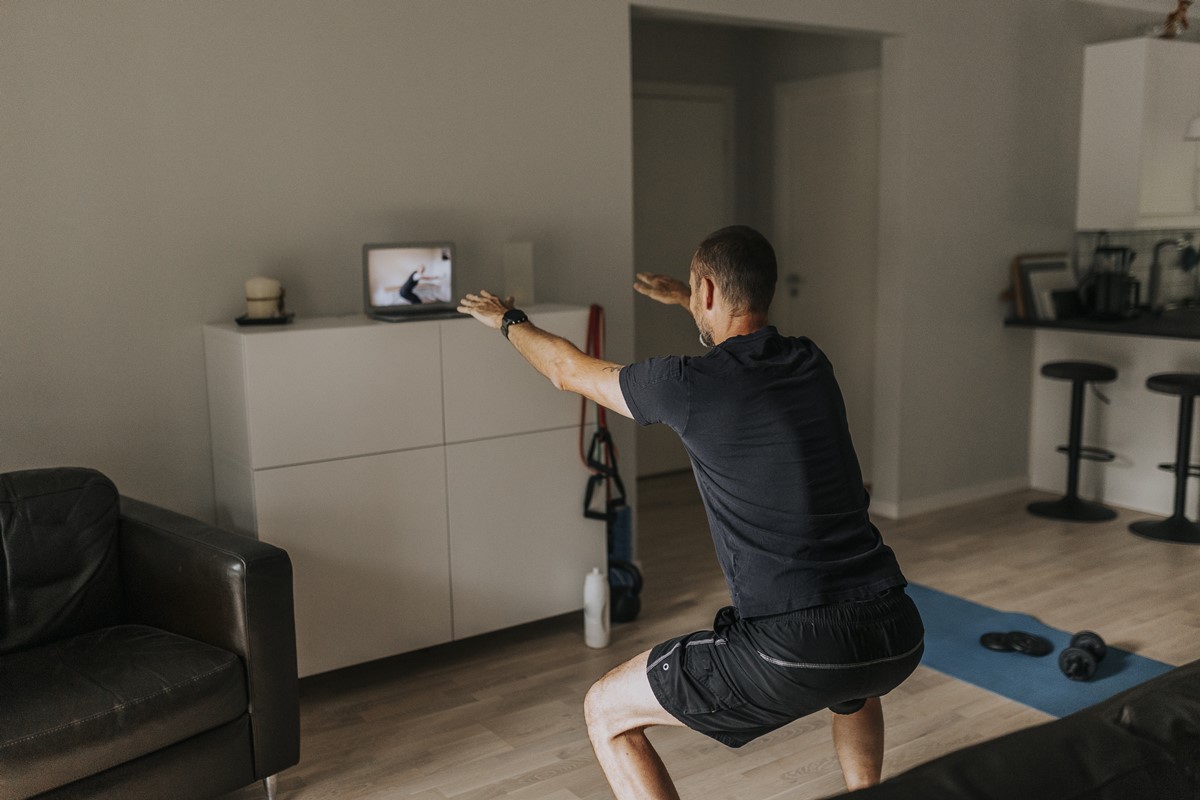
pixel 601 456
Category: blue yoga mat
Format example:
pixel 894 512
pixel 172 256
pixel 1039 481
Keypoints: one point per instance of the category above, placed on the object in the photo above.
pixel 952 630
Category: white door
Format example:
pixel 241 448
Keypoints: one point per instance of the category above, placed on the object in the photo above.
pixel 682 191
pixel 826 217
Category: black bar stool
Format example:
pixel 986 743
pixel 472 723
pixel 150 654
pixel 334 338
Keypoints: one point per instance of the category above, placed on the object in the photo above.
pixel 1177 527
pixel 1070 506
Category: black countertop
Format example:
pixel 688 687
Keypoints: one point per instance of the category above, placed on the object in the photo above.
pixel 1180 323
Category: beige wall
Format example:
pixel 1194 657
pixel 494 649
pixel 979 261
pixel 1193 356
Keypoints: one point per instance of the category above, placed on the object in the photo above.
pixel 154 155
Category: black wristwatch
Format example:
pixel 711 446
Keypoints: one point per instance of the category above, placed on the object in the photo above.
pixel 514 316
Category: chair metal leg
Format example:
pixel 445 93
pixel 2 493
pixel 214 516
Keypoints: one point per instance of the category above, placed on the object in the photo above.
pixel 269 784
pixel 1071 506
pixel 1177 527
pixel 1075 440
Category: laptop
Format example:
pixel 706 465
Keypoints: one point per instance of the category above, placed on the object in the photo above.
pixel 409 280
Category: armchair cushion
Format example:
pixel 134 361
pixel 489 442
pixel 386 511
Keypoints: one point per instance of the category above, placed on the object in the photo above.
pixel 79 705
pixel 58 556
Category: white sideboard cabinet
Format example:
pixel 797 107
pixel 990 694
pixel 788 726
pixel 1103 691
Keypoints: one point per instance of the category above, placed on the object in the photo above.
pixel 1135 168
pixel 424 479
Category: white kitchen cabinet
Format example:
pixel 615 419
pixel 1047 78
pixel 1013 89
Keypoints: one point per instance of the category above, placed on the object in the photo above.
pixel 491 391
pixel 514 560
pixel 335 392
pixel 425 481
pixel 1135 168
pixel 367 539
pixel 1139 425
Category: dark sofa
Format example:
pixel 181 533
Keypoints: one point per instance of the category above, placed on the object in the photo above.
pixel 1142 743
pixel 143 654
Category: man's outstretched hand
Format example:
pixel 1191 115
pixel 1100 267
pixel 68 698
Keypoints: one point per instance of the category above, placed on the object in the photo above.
pixel 662 288
pixel 485 307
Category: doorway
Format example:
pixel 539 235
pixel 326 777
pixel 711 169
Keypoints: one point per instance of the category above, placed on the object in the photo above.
pixel 683 179
pixel 766 76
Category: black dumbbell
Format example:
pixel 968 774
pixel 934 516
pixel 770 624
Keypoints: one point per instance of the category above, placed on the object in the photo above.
pixel 1078 661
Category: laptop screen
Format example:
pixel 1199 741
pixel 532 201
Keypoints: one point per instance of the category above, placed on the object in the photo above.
pixel 410 278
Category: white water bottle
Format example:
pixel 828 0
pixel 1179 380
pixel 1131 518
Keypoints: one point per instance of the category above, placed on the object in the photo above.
pixel 595 609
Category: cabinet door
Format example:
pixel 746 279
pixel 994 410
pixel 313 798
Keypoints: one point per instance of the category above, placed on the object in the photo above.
pixel 491 391
pixel 520 546
pixel 1135 168
pixel 325 393
pixel 1168 180
pixel 367 539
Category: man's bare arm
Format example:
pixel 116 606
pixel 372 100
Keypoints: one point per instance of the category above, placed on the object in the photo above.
pixel 568 368
pixel 564 364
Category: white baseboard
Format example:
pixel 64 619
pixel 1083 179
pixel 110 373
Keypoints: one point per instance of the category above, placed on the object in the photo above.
pixel 967 494
pixel 1156 500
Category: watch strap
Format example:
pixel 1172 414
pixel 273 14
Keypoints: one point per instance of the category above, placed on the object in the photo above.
pixel 514 316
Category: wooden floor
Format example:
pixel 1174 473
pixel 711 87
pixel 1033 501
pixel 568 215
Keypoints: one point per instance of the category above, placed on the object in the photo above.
pixel 501 716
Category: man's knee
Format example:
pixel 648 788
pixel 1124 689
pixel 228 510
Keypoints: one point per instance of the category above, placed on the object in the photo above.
pixel 598 711
pixel 616 703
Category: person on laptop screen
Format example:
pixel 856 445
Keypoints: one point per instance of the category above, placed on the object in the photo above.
pixel 405 280
pixel 424 277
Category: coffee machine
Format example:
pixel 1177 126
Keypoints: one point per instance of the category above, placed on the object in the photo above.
pixel 1108 290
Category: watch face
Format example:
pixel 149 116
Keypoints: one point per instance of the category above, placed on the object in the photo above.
pixel 511 317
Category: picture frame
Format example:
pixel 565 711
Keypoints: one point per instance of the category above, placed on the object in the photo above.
pixel 1041 282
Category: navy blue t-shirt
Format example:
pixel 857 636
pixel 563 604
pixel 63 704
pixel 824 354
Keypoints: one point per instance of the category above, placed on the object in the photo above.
pixel 764 423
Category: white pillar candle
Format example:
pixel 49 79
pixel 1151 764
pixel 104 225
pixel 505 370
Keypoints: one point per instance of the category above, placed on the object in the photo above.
pixel 262 297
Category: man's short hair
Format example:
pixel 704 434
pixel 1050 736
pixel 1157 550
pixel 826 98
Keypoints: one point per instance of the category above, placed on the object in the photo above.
pixel 741 262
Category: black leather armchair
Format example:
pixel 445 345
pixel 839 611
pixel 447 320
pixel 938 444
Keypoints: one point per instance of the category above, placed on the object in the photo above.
pixel 143 654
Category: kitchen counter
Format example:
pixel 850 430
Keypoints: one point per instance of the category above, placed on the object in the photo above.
pixel 1138 425
pixel 1179 323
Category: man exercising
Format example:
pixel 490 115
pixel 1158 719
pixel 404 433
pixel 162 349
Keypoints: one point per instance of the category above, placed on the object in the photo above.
pixel 819 616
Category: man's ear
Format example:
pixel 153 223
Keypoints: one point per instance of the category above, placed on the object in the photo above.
pixel 708 293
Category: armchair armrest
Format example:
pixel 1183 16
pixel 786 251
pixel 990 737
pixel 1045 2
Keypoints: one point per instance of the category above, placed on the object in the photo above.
pixel 227 590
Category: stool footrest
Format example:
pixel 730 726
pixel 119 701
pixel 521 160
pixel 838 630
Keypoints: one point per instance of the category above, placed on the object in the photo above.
pixel 1193 470
pixel 1091 453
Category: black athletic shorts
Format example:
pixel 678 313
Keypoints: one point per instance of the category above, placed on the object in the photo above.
pixel 747 677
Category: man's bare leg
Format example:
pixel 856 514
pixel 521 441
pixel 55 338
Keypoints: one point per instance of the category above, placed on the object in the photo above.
pixel 858 739
pixel 619 707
